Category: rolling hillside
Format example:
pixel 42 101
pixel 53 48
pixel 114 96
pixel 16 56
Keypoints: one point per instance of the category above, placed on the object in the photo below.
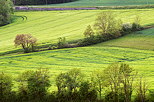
pixel 106 3
pixel 47 26
pixel 87 58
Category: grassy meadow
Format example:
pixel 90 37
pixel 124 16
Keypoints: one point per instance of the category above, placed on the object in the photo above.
pixel 47 26
pixel 105 3
pixel 139 40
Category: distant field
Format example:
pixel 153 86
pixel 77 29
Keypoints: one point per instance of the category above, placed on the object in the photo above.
pixel 47 26
pixel 139 40
pixel 106 3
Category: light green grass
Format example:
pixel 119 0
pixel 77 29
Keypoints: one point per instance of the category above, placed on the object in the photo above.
pixel 139 40
pixel 47 26
pixel 85 58
pixel 105 3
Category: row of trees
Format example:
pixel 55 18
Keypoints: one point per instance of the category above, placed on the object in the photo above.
pixel 6 10
pixel 116 83
pixel 38 2
pixel 107 27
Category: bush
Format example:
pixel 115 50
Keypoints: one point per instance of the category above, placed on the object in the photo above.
pixel 151 96
pixel 26 41
pixel 6 94
pixel 87 93
pixel 62 43
pixel 126 28
pixel 67 84
pixel 34 85
pixel 6 10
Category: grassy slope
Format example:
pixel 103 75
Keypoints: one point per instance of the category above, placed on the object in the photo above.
pixel 139 40
pixel 47 26
pixel 106 3
pixel 85 58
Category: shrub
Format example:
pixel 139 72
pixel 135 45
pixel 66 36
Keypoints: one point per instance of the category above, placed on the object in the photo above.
pixel 26 41
pixel 6 94
pixel 87 92
pixel 62 43
pixel 88 32
pixel 34 85
pixel 126 28
pixel 67 84
pixel 151 96
pixel 136 26
pixel 6 10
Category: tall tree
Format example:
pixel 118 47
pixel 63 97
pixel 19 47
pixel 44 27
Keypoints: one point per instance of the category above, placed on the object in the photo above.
pixel 6 10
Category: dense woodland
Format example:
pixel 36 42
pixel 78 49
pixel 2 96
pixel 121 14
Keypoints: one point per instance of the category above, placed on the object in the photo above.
pixel 36 2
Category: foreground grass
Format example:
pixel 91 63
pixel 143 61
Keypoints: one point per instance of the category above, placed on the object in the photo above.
pixel 47 26
pixel 85 58
pixel 105 3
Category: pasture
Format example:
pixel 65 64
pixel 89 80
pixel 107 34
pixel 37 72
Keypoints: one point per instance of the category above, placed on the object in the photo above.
pixel 139 40
pixel 105 3
pixel 47 26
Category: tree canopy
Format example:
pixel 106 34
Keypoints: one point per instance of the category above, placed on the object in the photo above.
pixel 6 9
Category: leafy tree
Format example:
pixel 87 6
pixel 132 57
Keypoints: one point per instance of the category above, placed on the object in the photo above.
pixel 120 78
pixel 141 90
pixel 68 83
pixel 98 81
pixel 107 25
pixel 26 41
pixel 6 10
pixel 34 84
pixel 5 87
pixel 88 32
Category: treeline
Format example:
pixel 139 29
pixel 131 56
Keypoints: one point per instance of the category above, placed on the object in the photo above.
pixel 106 27
pixel 38 2
pixel 116 83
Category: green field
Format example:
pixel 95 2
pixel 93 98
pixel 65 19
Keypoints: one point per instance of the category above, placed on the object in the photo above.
pixel 138 40
pixel 47 26
pixel 106 3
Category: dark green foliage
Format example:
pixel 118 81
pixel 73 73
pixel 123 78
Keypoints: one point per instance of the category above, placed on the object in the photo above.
pixel 37 2
pixel 86 92
pixel 113 97
pixel 6 10
pixel 62 43
pixel 151 96
pixel 136 27
pixel 6 94
pixel 68 84
pixel 117 79
pixel 34 85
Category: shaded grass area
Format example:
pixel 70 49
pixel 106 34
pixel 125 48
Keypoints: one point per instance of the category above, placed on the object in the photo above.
pixel 47 26
pixel 139 40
